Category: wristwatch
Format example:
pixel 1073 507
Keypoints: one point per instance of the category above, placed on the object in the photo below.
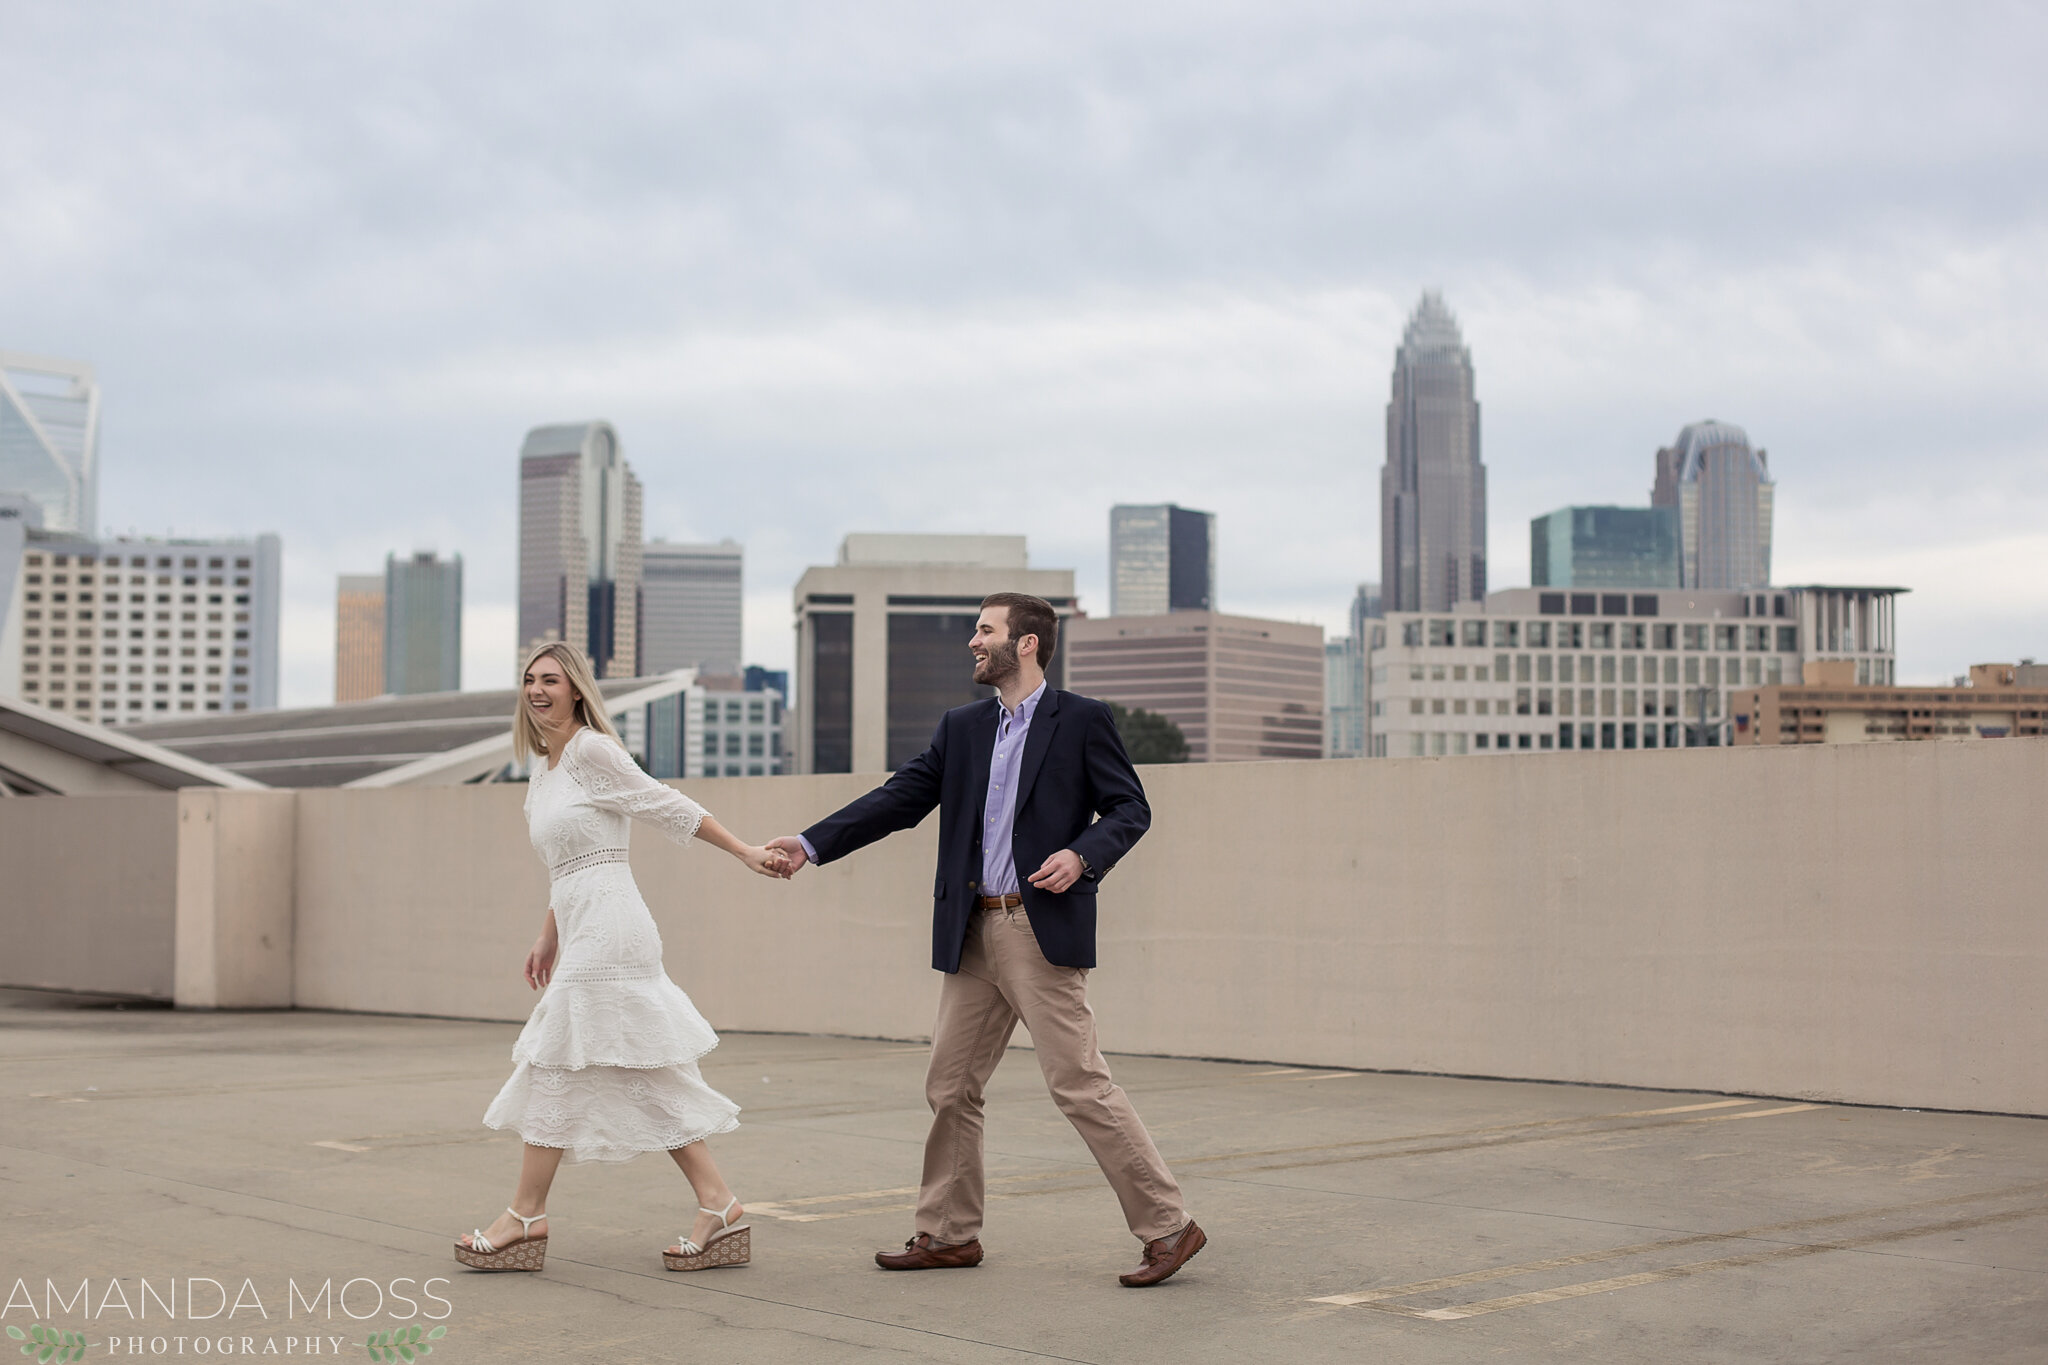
pixel 1086 871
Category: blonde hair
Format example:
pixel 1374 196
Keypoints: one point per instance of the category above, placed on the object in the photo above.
pixel 528 739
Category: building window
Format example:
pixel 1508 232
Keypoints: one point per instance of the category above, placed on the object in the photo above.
pixel 1539 635
pixel 832 692
pixel 1724 639
pixel 1443 633
pixel 1695 637
pixel 1521 701
pixel 1543 705
pixel 927 678
pixel 1505 633
pixel 1571 635
pixel 1788 639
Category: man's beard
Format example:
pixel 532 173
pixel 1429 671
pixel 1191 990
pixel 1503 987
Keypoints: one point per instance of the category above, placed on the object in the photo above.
pixel 1000 665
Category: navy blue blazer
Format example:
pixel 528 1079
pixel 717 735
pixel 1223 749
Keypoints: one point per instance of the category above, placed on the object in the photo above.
pixel 1076 789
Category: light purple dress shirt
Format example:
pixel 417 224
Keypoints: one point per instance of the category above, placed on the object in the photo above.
pixel 999 819
pixel 999 815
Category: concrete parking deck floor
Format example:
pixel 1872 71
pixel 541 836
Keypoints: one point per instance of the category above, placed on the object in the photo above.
pixel 1352 1216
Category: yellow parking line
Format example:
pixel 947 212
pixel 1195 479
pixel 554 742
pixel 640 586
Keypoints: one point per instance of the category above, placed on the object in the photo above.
pixel 1756 1113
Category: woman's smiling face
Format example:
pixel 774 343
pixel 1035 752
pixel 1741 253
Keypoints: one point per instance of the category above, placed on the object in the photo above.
pixel 548 694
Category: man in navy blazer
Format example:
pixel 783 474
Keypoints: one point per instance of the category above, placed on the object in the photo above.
pixel 1031 778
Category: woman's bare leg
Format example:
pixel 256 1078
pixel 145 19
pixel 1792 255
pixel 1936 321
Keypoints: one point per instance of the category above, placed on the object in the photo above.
pixel 536 1176
pixel 712 1191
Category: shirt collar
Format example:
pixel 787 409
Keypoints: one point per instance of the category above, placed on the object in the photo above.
pixel 1025 708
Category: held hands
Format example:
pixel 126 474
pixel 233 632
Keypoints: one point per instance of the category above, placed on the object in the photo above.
pixel 792 850
pixel 769 862
pixel 1058 872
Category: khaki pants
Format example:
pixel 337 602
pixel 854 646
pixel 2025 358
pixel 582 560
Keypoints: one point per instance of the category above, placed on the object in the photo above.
pixel 1003 977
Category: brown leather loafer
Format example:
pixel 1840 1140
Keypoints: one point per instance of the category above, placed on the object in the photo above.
pixel 922 1253
pixel 1164 1255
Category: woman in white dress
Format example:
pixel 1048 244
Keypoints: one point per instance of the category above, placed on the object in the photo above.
pixel 606 1068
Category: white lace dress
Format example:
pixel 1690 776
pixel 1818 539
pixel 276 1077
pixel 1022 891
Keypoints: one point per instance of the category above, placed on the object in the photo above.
pixel 607 1066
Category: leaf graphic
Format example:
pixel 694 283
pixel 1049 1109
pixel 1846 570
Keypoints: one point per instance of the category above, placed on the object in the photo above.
pixel 437 1333
pixel 16 1332
pixel 46 1353
pixel 405 1352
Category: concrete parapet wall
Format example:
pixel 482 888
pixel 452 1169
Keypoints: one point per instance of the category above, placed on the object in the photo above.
pixel 88 892
pixel 1860 923
pixel 236 853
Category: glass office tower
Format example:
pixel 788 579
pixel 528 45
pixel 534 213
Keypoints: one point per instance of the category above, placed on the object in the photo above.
pixel 50 438
pixel 1605 547
pixel 1162 558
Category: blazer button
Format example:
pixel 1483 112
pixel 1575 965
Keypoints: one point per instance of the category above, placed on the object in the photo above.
pixel 972 885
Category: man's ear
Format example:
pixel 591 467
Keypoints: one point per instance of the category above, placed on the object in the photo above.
pixel 1034 646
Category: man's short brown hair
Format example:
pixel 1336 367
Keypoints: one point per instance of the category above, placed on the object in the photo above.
pixel 1029 615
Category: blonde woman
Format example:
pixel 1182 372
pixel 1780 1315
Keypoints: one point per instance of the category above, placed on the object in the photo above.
pixel 606 1068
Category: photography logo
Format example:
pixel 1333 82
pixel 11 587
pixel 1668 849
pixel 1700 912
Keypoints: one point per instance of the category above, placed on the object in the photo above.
pixel 153 1319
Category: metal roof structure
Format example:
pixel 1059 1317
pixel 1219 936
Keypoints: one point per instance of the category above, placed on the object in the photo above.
pixel 47 753
pixel 434 738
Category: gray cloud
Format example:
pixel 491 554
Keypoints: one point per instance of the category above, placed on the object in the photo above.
pixel 914 267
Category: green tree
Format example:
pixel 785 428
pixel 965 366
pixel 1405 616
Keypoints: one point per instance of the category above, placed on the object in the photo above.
pixel 1150 737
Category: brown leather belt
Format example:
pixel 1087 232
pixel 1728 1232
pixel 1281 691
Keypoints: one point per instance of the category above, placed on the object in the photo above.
pixel 1009 902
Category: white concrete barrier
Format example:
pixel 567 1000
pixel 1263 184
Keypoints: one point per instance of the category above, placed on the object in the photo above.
pixel 1860 923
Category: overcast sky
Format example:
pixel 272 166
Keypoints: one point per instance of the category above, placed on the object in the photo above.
pixel 880 267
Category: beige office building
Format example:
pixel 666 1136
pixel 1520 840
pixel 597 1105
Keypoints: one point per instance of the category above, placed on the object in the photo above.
pixel 358 637
pixel 1531 669
pixel 881 641
pixel 1237 686
pixel 128 630
pixel 1997 701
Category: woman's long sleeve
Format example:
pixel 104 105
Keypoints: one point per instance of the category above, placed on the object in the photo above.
pixel 615 782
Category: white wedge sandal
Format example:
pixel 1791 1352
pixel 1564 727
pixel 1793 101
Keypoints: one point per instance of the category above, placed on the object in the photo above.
pixel 528 1252
pixel 727 1246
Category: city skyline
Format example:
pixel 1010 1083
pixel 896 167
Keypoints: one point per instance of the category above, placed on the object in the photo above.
pixel 348 361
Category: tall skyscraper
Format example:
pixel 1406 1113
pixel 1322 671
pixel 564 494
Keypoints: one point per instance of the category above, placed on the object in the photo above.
pixel 1722 491
pixel 690 607
pixel 358 637
pixel 1433 487
pixel 422 624
pixel 579 545
pixel 1161 558
pixel 50 438
pixel 1604 547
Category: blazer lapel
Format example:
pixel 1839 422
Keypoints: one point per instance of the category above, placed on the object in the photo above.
pixel 981 738
pixel 1043 722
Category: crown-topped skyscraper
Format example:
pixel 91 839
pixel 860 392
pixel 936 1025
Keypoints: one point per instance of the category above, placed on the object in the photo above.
pixel 1433 487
